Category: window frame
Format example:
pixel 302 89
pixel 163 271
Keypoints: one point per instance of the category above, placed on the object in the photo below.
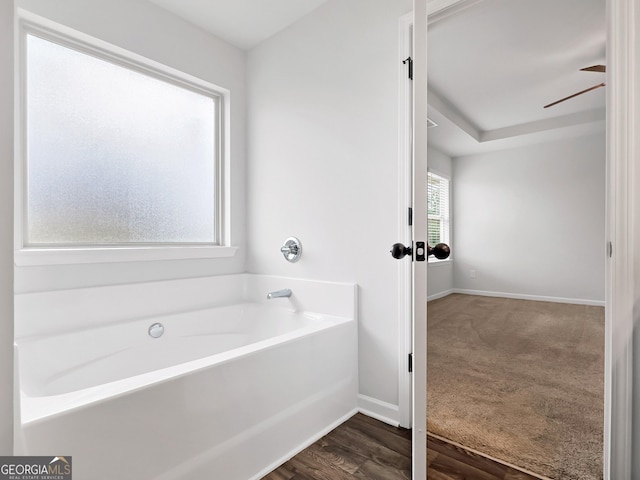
pixel 443 221
pixel 25 254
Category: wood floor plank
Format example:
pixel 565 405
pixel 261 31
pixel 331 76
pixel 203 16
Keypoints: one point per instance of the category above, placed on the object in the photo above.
pixel 432 456
pixel 364 448
pixel 454 468
pixel 337 456
pixel 435 475
pixel 282 473
pixel 466 457
pixel 306 464
pixel 374 471
pixel 376 424
pixel 367 446
pixel 476 460
pixel 515 475
pixel 392 438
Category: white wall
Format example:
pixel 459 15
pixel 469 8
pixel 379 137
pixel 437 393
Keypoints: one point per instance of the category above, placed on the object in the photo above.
pixel 440 274
pixel 439 279
pixel 6 228
pixel 531 221
pixel 147 30
pixel 322 157
pixel 439 162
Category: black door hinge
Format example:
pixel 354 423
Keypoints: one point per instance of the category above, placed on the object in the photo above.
pixel 409 61
pixel 410 362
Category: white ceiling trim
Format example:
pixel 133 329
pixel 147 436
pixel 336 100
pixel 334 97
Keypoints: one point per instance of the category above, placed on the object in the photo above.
pixel 442 105
pixel 564 121
pixel 445 108
pixel 440 9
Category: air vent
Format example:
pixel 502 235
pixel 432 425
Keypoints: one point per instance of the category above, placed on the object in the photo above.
pixel 431 123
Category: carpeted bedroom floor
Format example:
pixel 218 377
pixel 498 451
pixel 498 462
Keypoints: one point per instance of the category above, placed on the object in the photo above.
pixel 521 381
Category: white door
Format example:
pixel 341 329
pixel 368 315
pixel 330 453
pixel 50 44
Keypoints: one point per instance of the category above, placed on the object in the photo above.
pixel 412 271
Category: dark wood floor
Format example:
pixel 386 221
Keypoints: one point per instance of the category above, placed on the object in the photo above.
pixel 448 462
pixel 366 448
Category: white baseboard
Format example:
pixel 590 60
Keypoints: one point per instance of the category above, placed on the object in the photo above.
pixel 443 294
pixel 383 411
pixel 537 298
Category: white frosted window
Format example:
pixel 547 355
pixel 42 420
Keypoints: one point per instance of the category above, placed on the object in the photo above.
pixel 115 156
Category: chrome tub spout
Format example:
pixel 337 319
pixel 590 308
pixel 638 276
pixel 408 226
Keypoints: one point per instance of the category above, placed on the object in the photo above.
pixel 286 292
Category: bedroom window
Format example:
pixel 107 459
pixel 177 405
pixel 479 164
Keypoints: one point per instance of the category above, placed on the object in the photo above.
pixel 438 213
pixel 115 154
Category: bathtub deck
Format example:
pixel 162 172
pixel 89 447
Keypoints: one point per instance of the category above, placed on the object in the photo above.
pixel 366 448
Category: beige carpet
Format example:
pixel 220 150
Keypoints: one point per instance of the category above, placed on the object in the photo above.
pixel 521 381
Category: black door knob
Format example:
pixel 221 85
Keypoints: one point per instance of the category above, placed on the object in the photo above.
pixel 398 250
pixel 440 251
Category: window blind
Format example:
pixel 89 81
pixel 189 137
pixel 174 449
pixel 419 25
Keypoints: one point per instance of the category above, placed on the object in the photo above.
pixel 437 209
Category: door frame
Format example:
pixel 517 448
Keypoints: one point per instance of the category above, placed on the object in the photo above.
pixel 622 181
pixel 623 107
pixel 419 233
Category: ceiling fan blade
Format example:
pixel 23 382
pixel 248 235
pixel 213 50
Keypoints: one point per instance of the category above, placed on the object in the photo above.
pixel 595 68
pixel 575 95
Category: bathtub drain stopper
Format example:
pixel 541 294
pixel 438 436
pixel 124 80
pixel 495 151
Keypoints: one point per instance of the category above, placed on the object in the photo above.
pixel 156 330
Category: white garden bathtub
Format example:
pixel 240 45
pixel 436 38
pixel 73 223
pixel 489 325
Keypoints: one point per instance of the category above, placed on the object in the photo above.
pixel 227 392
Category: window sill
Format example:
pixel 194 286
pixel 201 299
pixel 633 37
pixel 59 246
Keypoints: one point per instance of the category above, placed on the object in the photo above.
pixel 72 256
pixel 440 263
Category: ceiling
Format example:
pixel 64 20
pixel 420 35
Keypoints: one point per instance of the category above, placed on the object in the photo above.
pixel 493 64
pixel 243 23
